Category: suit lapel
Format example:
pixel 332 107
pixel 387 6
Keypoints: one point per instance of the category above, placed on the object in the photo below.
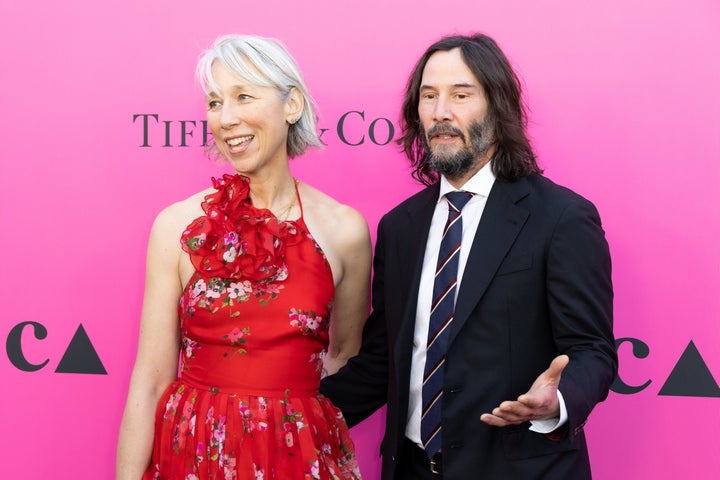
pixel 500 224
pixel 413 234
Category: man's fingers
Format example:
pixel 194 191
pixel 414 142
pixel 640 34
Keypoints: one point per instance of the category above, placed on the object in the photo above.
pixel 514 412
pixel 530 401
pixel 496 421
pixel 492 420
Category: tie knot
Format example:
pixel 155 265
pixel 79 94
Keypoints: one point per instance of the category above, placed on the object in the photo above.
pixel 458 200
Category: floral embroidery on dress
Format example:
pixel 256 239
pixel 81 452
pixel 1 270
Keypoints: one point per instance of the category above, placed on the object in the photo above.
pixel 251 422
pixel 308 321
pixel 174 401
pixel 318 359
pixel 259 472
pixel 188 347
pixel 290 418
pixel 214 293
pixel 199 450
pixel 229 463
pixel 347 461
pixel 318 248
pixel 216 447
pixel 186 424
pixel 237 340
pixel 239 291
pixel 314 472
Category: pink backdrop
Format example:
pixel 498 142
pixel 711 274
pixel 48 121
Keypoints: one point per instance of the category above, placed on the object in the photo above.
pixel 624 108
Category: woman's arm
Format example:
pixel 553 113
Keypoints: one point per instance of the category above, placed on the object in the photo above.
pixel 360 387
pixel 352 291
pixel 156 363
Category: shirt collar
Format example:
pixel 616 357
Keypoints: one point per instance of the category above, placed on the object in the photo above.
pixel 478 184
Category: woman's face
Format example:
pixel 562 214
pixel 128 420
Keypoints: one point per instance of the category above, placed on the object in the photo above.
pixel 249 123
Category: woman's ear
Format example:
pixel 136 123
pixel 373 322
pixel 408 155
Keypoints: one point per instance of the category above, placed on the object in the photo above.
pixel 294 106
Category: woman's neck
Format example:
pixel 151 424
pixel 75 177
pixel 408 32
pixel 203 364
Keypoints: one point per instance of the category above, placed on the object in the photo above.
pixel 274 192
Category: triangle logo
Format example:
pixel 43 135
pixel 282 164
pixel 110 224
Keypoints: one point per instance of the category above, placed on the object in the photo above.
pixel 80 356
pixel 690 377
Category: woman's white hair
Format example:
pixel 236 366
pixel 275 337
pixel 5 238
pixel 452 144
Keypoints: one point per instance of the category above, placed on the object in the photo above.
pixel 264 62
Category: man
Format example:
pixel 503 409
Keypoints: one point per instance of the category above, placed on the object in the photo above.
pixel 491 370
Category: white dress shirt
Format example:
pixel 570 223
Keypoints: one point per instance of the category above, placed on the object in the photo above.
pixel 480 185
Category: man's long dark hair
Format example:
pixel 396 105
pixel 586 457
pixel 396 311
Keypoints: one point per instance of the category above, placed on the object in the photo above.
pixel 514 156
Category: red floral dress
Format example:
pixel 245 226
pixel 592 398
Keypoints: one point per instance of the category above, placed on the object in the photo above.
pixel 254 322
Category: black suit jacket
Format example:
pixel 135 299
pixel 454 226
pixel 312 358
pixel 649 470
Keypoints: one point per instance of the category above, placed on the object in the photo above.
pixel 537 284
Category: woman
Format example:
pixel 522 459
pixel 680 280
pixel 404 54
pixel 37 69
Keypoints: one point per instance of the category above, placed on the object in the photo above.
pixel 240 290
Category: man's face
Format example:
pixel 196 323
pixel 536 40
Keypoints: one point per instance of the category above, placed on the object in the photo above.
pixel 456 132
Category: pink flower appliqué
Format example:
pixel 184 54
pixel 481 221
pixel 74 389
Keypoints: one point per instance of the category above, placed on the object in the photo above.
pixel 237 340
pixel 235 336
pixel 308 321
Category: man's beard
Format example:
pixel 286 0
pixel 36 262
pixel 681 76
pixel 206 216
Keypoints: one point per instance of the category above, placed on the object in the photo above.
pixel 454 164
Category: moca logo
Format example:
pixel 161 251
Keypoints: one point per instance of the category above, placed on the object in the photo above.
pixel 690 377
pixel 79 357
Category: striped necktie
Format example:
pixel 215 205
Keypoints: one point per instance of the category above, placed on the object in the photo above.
pixel 441 314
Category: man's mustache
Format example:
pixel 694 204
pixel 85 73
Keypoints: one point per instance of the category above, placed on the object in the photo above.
pixel 443 129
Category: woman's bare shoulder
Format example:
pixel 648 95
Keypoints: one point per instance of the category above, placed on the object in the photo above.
pixel 338 228
pixel 330 212
pixel 180 214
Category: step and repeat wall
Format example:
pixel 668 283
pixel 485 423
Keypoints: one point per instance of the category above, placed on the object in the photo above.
pixel 103 126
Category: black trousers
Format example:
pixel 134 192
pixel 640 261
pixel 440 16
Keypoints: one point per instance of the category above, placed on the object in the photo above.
pixel 413 464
